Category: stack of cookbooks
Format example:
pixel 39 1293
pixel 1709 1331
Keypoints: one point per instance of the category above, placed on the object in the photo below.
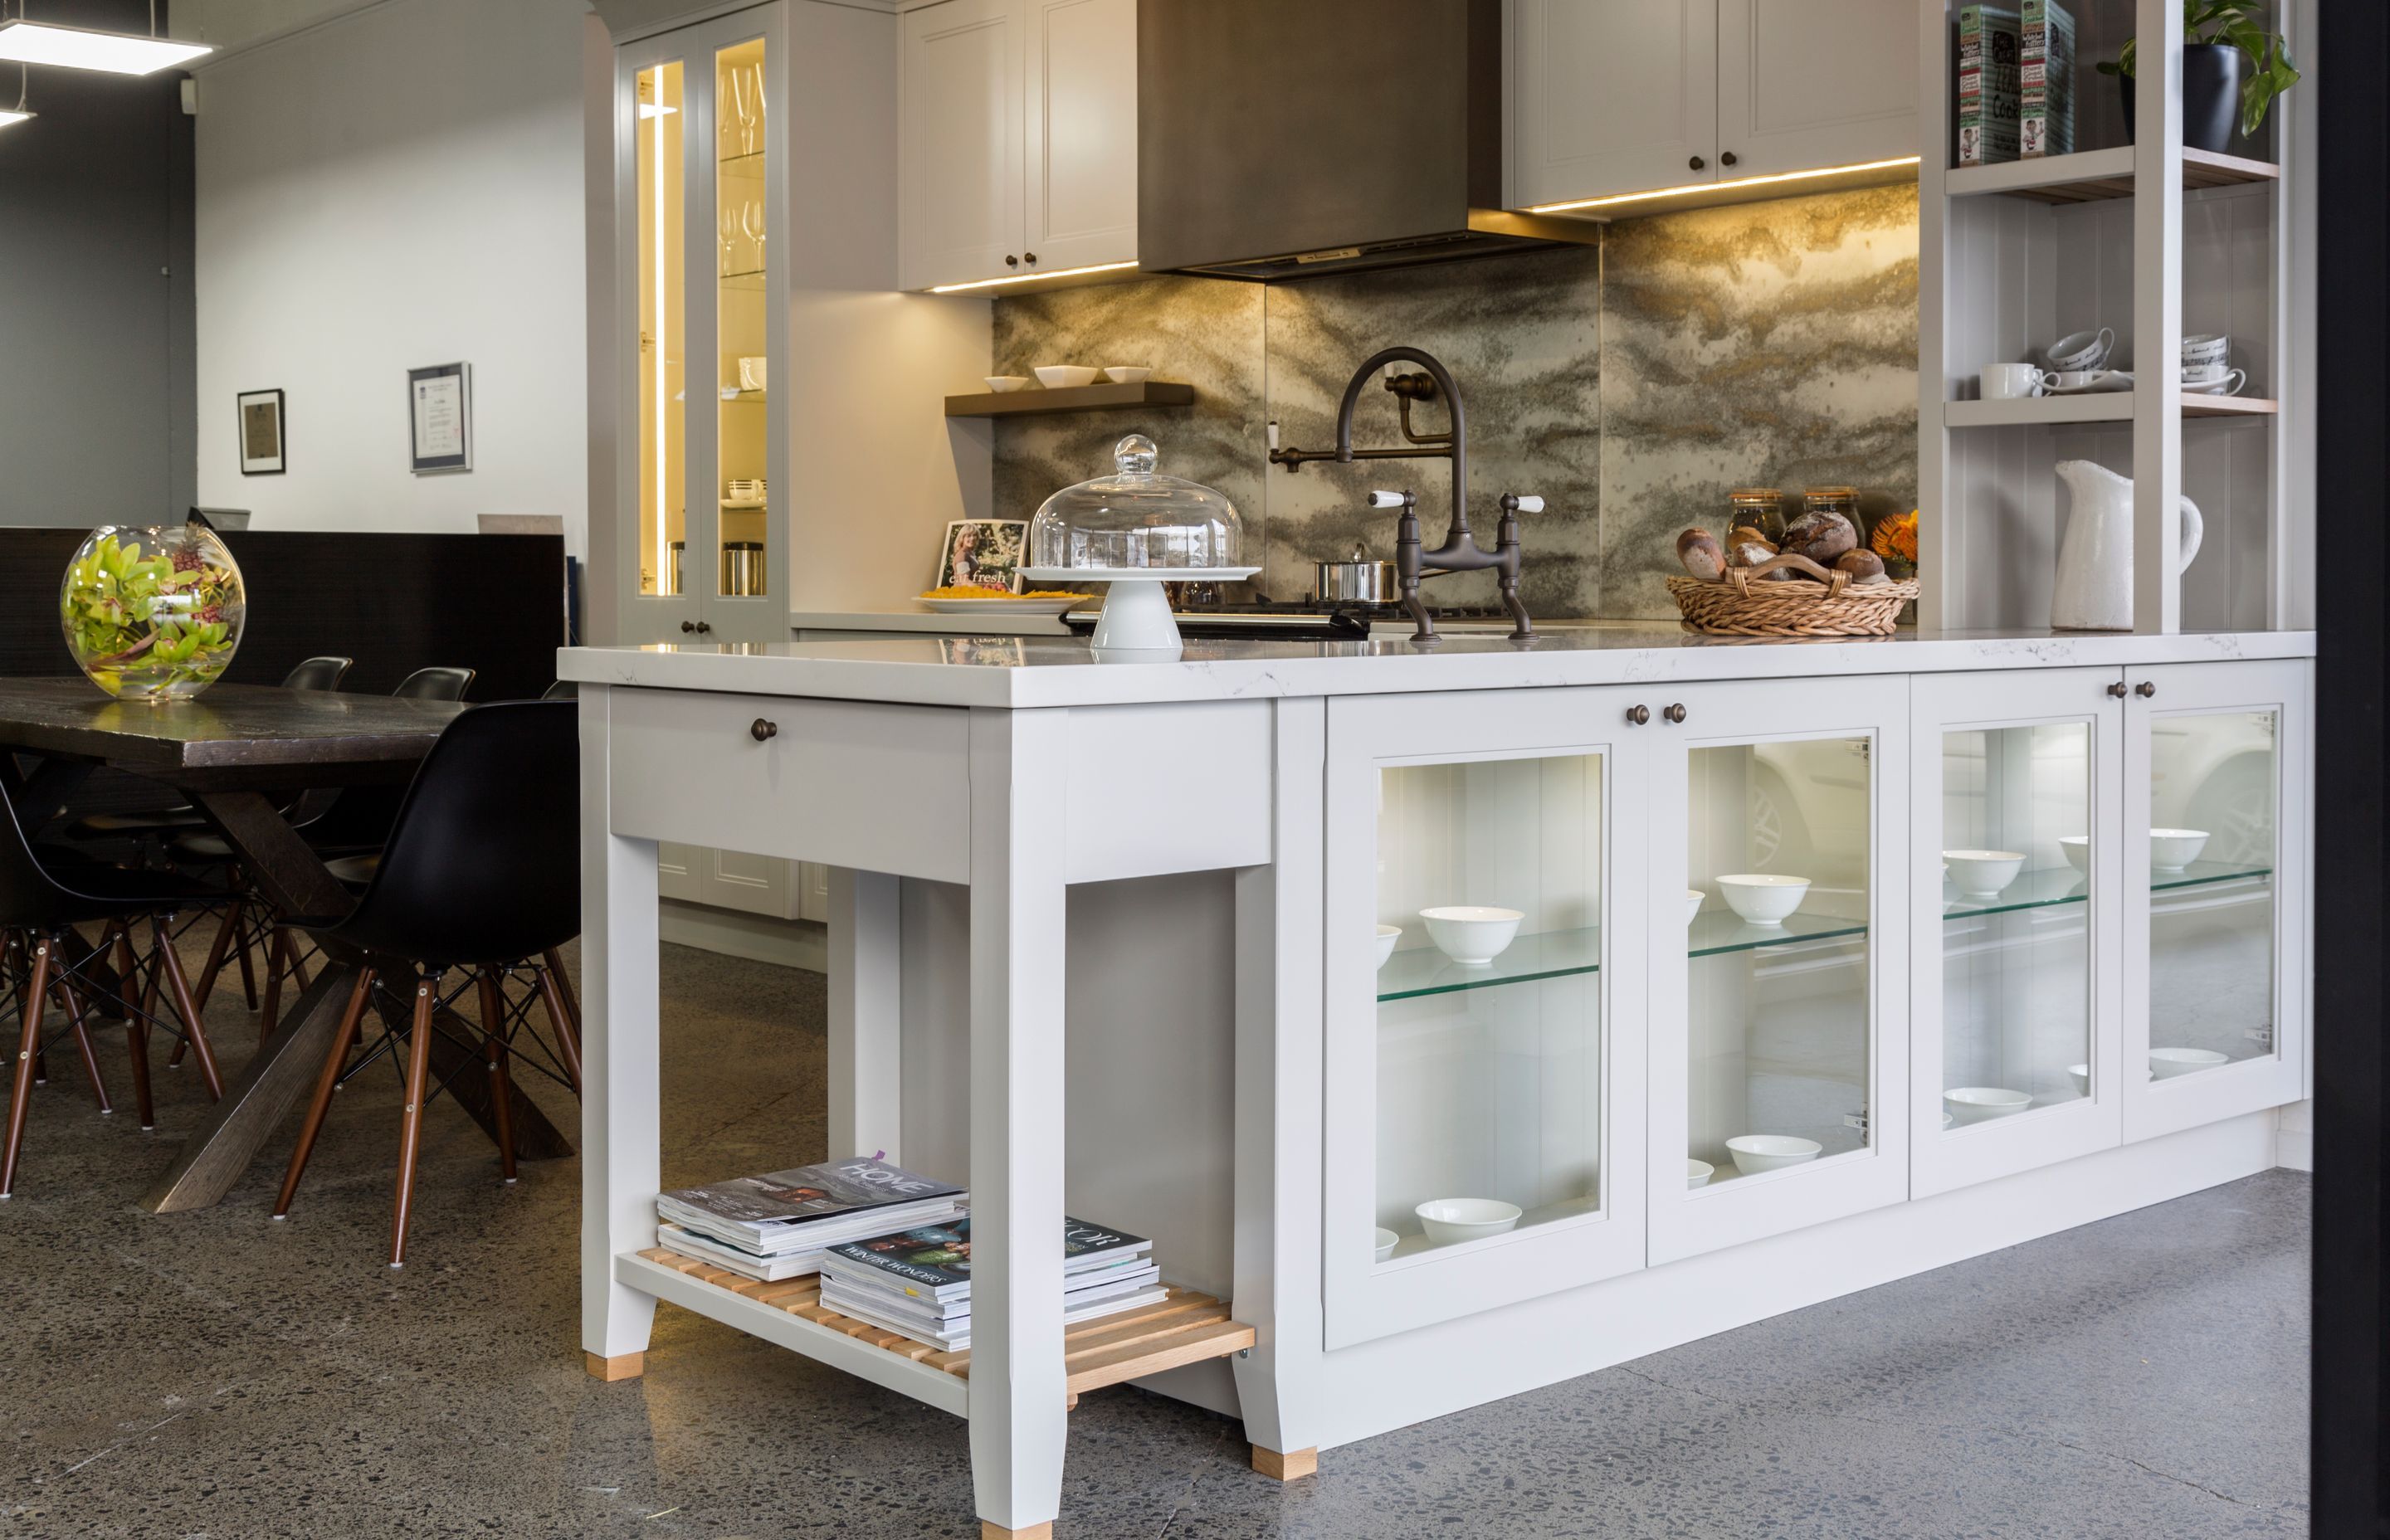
pixel 918 1282
pixel 777 1226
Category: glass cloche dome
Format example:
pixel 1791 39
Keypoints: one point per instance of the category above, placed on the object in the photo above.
pixel 1136 520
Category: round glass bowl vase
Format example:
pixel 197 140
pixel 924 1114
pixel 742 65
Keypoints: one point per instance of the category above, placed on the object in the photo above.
pixel 1137 529
pixel 154 612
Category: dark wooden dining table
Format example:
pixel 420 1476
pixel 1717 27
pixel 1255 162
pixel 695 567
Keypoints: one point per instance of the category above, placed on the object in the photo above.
pixel 238 752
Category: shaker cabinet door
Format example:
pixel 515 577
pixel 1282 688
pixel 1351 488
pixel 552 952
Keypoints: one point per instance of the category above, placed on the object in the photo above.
pixel 1081 144
pixel 1808 84
pixel 1613 95
pixel 960 143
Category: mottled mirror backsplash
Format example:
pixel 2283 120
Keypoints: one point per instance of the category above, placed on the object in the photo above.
pixel 1630 384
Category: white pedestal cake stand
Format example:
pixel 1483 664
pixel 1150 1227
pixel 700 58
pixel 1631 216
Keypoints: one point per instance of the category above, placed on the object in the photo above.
pixel 1136 617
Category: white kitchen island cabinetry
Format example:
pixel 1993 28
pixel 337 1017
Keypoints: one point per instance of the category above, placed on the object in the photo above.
pixel 1103 939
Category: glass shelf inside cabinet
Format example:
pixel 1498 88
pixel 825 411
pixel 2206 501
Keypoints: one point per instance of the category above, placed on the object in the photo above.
pixel 1717 932
pixel 2201 874
pixel 1554 954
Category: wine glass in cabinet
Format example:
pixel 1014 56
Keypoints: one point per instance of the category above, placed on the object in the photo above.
pixel 2216 993
pixel 2017 982
pixel 1777 1054
pixel 1484 1076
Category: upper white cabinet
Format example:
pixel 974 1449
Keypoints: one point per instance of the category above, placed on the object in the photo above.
pixel 1018 134
pixel 1627 95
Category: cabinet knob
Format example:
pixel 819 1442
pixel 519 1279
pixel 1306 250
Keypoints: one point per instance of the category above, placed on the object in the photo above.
pixel 1029 256
pixel 1726 158
pixel 705 628
pixel 1697 163
pixel 1638 716
pixel 1676 713
pixel 687 626
pixel 2146 689
pixel 2117 689
pixel 763 728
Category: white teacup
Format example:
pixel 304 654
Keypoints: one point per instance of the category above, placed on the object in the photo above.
pixel 2210 374
pixel 2082 349
pixel 2205 348
pixel 2009 381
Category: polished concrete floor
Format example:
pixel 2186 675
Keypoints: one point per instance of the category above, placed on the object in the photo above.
pixel 219 1375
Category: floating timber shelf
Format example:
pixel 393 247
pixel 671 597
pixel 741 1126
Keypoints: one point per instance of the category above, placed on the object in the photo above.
pixel 2091 176
pixel 2113 406
pixel 1072 398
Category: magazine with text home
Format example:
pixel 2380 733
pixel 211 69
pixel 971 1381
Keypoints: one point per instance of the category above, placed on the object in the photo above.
pixel 933 1261
pixel 811 1205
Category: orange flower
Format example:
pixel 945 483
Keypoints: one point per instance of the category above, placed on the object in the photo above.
pixel 1896 537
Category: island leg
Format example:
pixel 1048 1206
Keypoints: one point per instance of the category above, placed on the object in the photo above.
pixel 621 1128
pixel 866 1075
pixel 1018 1388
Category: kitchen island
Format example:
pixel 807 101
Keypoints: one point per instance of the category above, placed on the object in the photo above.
pixel 1439 1013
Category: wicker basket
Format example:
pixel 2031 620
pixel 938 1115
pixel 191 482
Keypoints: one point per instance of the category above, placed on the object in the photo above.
pixel 1822 604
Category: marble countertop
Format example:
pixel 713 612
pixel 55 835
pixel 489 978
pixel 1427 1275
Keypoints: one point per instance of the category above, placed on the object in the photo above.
pixel 1029 672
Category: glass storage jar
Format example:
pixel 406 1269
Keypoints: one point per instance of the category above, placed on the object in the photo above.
pixel 1839 499
pixel 1760 509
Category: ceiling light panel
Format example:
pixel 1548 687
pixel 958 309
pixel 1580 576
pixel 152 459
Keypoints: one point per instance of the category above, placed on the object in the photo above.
pixel 74 48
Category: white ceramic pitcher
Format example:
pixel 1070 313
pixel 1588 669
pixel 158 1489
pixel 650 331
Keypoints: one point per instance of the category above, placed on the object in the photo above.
pixel 2095 563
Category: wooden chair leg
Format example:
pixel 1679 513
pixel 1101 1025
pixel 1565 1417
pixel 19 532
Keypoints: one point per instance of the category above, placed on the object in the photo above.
pixel 494 1048
pixel 276 958
pixel 20 1086
pixel 559 1017
pixel 326 1083
pixel 241 951
pixel 136 1023
pixel 195 1030
pixel 555 962
pixel 228 927
pixel 70 1001
pixel 410 1129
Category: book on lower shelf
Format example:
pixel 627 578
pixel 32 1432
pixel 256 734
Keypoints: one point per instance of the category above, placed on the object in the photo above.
pixel 916 1282
pixel 778 1226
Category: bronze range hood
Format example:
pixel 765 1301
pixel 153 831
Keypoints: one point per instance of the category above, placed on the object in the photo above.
pixel 1292 138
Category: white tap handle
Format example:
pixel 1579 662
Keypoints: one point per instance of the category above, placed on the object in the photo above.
pixel 1531 505
pixel 1273 433
pixel 1385 499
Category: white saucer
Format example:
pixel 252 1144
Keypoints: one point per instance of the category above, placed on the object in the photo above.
pixel 2106 383
pixel 2212 387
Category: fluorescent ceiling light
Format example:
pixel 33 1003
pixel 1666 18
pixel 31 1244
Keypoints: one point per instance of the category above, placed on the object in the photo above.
pixel 648 110
pixel 1032 277
pixel 10 115
pixel 1691 189
pixel 75 48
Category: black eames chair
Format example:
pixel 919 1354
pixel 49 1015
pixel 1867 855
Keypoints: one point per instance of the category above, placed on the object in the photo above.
pixel 46 964
pixel 482 869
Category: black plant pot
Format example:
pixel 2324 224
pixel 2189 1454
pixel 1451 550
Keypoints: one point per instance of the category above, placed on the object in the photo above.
pixel 2211 96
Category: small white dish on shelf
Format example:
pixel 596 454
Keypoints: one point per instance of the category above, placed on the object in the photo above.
pixel 1981 873
pixel 1949 1117
pixel 2076 848
pixel 1693 897
pixel 1016 606
pixel 2225 384
pixel 2081 1075
pixel 1982 1103
pixel 2166 1063
pixel 1763 898
pixel 2173 849
pixel 1062 376
pixel 1005 384
pixel 1472 935
pixel 2088 382
pixel 1387 936
pixel 1450 1221
pixel 1387 1241
pixel 1127 374
pixel 1698 1174
pixel 1757 1152
pixel 742 504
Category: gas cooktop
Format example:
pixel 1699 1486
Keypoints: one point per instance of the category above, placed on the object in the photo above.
pixel 1305 620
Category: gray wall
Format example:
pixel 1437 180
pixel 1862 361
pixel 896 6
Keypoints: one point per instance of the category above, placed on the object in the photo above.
pixel 96 349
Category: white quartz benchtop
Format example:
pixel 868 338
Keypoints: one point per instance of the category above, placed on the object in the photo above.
pixel 1036 671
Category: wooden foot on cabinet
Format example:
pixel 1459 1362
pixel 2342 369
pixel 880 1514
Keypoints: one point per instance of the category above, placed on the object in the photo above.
pixel 626 1365
pixel 990 1530
pixel 1291 1466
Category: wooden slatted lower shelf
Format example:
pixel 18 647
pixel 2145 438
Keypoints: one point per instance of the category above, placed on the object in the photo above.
pixel 1186 1328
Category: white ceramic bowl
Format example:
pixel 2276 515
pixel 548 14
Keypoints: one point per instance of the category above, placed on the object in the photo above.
pixel 1757 1152
pixel 1450 1221
pixel 2166 1063
pixel 1693 897
pixel 1949 1117
pixel 2081 1075
pixel 1005 384
pixel 2173 849
pixel 1387 1241
pixel 1472 935
pixel 1056 377
pixel 2077 849
pixel 1982 1103
pixel 1982 873
pixel 1124 373
pixel 1763 898
pixel 1387 936
pixel 1698 1174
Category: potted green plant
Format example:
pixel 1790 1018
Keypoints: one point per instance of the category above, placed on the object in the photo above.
pixel 2227 52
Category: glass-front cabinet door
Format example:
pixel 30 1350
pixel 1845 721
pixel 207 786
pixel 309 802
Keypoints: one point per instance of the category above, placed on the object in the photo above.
pixel 2017 981
pixel 1485 1080
pixel 700 194
pixel 1779 1052
pixel 2216 787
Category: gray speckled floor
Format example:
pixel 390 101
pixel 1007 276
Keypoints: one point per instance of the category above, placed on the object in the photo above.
pixel 218 1375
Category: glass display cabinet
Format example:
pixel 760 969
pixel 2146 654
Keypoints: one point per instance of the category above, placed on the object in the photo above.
pixel 702 195
pixel 1778 1059
pixel 2215 783
pixel 2017 984
pixel 1484 1084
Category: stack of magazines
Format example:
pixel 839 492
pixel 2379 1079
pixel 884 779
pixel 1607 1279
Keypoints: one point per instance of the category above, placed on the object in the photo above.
pixel 779 1226
pixel 916 1282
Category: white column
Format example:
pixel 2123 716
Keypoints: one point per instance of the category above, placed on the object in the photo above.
pixel 2157 317
pixel 866 1025
pixel 620 1136
pixel 1017 1382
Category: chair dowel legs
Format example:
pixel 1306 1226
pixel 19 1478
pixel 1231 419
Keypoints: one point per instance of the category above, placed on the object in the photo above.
pixel 195 1028
pixel 275 956
pixel 493 1049
pixel 136 1023
pixel 70 1001
pixel 228 928
pixel 559 1015
pixel 326 1083
pixel 418 1065
pixel 20 1086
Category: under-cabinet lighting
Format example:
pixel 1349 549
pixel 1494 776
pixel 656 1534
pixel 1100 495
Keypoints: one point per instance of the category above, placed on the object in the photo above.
pixel 1692 188
pixel 649 110
pixel 78 48
pixel 10 115
pixel 1032 277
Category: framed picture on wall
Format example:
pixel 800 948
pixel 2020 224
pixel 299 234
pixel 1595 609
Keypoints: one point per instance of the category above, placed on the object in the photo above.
pixel 440 419
pixel 982 553
pixel 262 445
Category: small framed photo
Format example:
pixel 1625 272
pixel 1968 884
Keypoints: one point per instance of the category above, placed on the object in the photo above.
pixel 440 419
pixel 262 444
pixel 983 553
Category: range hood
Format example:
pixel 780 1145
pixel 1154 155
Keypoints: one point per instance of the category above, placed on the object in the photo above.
pixel 1289 138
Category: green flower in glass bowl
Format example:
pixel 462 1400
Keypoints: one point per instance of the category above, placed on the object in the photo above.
pixel 152 613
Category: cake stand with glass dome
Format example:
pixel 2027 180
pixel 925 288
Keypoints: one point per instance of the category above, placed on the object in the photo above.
pixel 1135 530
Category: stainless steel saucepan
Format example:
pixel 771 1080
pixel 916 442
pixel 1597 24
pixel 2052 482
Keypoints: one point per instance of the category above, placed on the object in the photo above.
pixel 1358 581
